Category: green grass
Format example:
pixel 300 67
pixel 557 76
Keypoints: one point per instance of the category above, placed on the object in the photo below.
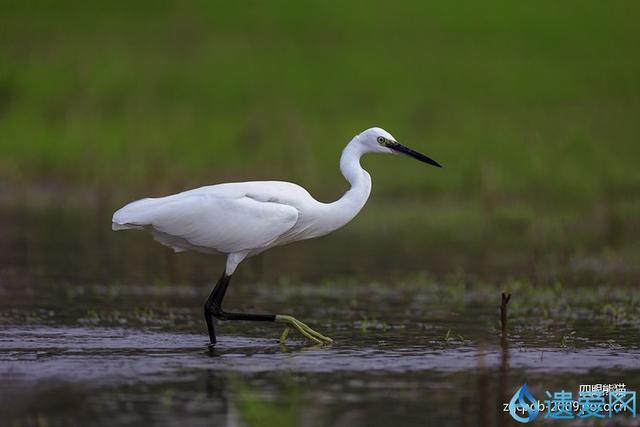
pixel 537 102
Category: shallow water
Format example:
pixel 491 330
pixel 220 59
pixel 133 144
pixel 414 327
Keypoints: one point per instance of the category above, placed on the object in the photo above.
pixel 99 328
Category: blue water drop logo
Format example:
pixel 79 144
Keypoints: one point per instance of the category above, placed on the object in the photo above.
pixel 523 407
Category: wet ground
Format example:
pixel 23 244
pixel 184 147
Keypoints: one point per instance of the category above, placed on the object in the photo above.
pixel 102 328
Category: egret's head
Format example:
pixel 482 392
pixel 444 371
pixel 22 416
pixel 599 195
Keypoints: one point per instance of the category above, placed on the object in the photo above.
pixel 378 140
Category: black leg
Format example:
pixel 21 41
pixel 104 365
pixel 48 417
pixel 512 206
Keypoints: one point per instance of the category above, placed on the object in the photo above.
pixel 213 308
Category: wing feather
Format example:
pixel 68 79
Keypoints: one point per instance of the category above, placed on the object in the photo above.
pixel 222 224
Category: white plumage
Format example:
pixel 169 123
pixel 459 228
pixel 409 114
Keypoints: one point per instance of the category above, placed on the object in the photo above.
pixel 224 218
pixel 240 219
pixel 245 218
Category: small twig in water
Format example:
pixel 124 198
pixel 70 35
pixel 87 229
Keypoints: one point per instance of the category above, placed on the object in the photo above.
pixel 503 312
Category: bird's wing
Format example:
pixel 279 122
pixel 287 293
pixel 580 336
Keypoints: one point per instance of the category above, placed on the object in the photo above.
pixel 225 224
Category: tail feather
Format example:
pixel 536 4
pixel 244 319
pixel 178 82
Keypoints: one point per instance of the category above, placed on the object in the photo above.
pixel 134 215
pixel 139 215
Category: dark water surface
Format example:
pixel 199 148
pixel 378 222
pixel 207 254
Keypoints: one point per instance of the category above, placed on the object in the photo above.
pixel 99 328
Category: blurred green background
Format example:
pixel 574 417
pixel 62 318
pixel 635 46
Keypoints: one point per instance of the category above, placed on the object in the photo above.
pixel 535 103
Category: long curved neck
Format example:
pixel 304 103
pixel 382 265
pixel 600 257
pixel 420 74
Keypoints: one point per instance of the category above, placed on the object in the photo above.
pixel 344 209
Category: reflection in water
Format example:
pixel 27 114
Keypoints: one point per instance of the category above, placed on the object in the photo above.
pixel 216 385
pixel 251 379
pixel 503 378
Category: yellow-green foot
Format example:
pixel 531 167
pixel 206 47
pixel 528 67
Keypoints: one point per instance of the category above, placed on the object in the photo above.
pixel 305 330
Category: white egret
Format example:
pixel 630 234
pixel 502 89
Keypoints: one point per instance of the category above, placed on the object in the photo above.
pixel 243 219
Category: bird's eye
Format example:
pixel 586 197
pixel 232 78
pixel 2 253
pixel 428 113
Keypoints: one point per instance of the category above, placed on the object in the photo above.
pixel 380 140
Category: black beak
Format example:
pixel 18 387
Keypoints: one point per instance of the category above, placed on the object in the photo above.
pixel 395 146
